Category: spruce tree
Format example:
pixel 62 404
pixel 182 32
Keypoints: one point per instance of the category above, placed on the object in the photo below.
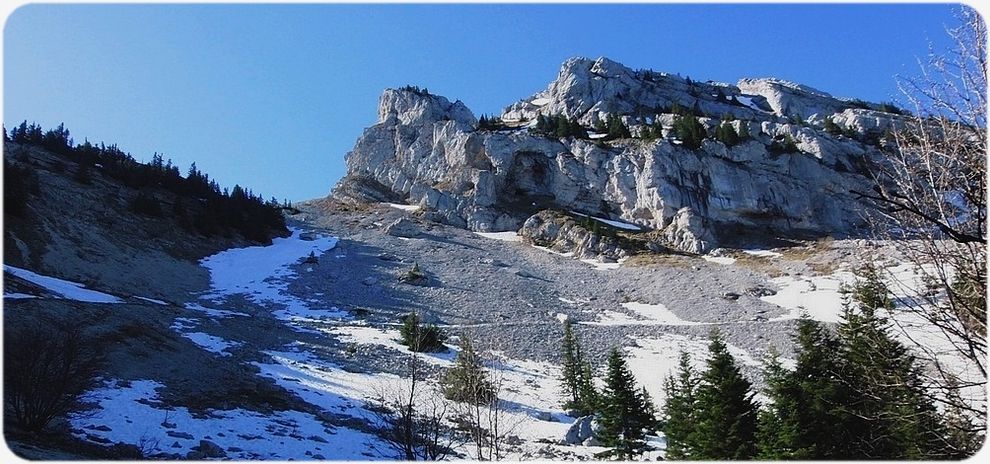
pixel 590 397
pixel 690 131
pixel 779 430
pixel 574 373
pixel 888 415
pixel 622 412
pixel 467 381
pixel 678 417
pixel 726 415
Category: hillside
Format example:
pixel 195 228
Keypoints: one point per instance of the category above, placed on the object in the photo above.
pixel 648 218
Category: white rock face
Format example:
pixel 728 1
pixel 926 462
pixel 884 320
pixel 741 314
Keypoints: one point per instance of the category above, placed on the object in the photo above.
pixel 425 150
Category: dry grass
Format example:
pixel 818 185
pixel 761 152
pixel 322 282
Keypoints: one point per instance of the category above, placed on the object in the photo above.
pixel 661 259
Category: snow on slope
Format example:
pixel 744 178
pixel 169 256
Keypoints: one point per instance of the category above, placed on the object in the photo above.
pixel 67 289
pixel 130 412
pixel 263 274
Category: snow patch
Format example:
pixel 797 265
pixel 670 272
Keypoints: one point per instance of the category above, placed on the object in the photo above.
pixel 658 313
pixel 67 289
pixel 409 208
pixel 613 223
pixel 18 296
pixel 263 273
pixel 133 413
pixel 818 296
pixel 510 236
pixel 763 253
pixel 211 343
pixel 152 300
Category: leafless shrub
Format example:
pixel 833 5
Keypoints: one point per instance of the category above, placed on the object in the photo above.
pixel 47 370
pixel 930 196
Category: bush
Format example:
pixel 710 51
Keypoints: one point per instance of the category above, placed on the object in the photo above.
pixel 47 369
pixel 414 276
pixel 428 339
pixel 784 144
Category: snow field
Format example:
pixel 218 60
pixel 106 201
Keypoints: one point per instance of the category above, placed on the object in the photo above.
pixel 263 274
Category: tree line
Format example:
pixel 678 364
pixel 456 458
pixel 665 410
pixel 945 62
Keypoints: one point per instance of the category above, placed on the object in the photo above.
pixel 856 392
pixel 199 204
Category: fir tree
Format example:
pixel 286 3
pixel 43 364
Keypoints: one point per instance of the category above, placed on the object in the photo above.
pixel 576 375
pixel 726 415
pixel 467 381
pixel 419 338
pixel 615 128
pixel 888 415
pixel 678 419
pixel 689 131
pixel 623 412
pixel 831 127
pixel 726 134
pixel 779 429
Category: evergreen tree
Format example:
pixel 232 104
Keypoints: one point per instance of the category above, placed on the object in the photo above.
pixel 623 412
pixel 689 131
pixel 590 397
pixel 419 338
pixel 600 126
pixel 678 418
pixel 615 128
pixel 726 134
pixel 726 415
pixel 576 375
pixel 467 381
pixel 779 430
pixel 888 415
pixel 831 127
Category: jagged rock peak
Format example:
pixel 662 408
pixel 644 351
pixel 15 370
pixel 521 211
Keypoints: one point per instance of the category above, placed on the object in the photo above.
pixel 589 89
pixel 413 106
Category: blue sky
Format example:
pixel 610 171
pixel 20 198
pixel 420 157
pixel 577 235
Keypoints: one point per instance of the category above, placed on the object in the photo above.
pixel 273 96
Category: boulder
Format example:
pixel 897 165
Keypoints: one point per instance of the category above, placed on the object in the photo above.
pixel 689 232
pixel 402 228
pixel 579 431
pixel 210 449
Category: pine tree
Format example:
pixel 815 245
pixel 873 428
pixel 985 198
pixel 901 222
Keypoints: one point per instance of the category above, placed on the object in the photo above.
pixel 576 376
pixel 418 338
pixel 778 429
pixel 622 412
pixel 467 381
pixel 831 127
pixel 590 397
pixel 615 128
pixel 690 131
pixel 678 419
pixel 888 414
pixel 726 134
pixel 726 416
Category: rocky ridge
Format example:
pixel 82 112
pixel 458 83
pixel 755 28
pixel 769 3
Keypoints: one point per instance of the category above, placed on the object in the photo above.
pixel 428 151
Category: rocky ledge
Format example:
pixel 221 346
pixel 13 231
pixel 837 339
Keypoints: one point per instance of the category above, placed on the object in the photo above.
pixel 789 175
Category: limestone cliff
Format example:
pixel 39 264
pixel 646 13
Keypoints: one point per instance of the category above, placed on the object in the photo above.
pixel 426 150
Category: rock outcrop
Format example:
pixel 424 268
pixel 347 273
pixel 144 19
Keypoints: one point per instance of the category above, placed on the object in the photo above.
pixel 788 177
pixel 563 234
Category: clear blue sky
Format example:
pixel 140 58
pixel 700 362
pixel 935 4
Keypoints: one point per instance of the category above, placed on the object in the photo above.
pixel 273 96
